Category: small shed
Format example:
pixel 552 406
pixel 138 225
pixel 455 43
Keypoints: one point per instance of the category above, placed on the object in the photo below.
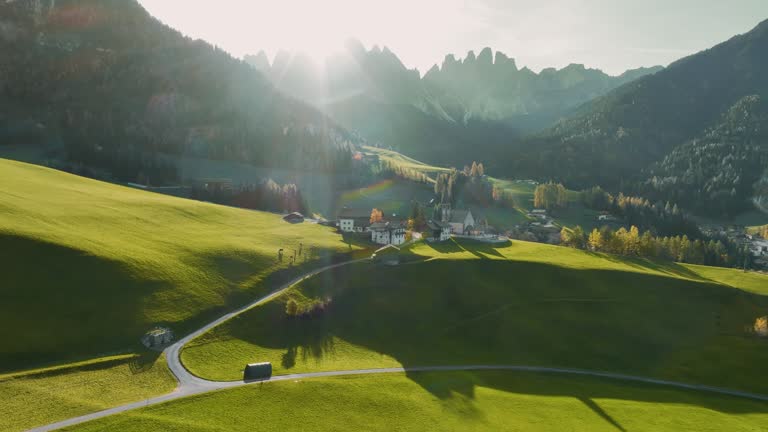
pixel 257 371
pixel 294 218
pixel 157 337
pixel 388 255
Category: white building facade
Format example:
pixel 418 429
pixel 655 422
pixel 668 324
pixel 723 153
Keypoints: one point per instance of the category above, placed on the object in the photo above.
pixel 388 233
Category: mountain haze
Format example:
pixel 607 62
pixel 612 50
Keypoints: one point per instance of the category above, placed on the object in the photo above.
pixel 113 87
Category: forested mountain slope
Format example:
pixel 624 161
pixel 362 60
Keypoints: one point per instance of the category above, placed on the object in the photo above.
pixel 115 86
pixel 617 136
pixel 717 173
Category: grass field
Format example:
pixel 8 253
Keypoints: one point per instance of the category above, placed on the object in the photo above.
pixel 486 401
pixel 404 161
pixel 45 396
pixel 390 196
pixel 521 304
pixel 88 267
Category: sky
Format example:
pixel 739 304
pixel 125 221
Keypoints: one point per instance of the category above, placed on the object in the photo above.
pixel 612 35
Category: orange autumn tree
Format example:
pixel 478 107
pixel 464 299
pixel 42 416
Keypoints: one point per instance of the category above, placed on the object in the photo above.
pixel 376 216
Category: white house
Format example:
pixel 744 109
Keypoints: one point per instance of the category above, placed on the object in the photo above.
pixel 461 221
pixel 388 233
pixel 606 218
pixel 759 247
pixel 354 220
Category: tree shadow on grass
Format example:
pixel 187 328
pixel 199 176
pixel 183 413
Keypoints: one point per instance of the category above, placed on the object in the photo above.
pixel 477 248
pixel 458 389
pixel 315 346
pixel 144 361
pixel 665 267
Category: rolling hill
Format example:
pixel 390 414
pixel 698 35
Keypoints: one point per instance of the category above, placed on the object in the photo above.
pixel 525 303
pixel 88 267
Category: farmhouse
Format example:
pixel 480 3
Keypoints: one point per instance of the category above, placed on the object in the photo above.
pixel 438 231
pixel 215 185
pixel 157 337
pixel 388 233
pixel 354 220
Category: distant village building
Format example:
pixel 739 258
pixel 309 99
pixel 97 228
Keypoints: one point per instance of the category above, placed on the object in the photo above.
pixel 538 214
pixel 606 218
pixel 388 233
pixel 388 255
pixel 354 220
pixel 215 185
pixel 294 218
pixel 438 231
pixel 461 222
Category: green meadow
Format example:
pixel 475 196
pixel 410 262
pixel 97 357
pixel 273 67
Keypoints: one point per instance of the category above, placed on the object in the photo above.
pixel 525 303
pixel 483 401
pixel 88 267
pixel 43 396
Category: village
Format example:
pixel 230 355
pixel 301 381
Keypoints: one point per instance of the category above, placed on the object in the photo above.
pixel 394 229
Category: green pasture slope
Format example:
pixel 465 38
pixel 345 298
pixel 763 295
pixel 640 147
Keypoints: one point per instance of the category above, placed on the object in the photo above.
pixel 525 303
pixel 88 267
pixel 485 401
pixel 44 396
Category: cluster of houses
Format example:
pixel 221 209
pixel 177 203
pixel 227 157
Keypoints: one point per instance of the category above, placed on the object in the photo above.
pixel 391 230
pixel 758 246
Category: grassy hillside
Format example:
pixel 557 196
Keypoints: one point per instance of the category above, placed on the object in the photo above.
pixel 521 304
pixel 45 396
pixel 487 401
pixel 88 267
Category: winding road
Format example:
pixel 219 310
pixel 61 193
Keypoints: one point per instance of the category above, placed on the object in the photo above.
pixel 192 385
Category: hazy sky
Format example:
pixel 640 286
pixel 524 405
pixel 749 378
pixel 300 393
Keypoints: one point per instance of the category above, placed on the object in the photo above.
pixel 612 35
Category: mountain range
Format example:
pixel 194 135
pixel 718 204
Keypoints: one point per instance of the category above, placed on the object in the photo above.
pixel 110 87
pixel 480 96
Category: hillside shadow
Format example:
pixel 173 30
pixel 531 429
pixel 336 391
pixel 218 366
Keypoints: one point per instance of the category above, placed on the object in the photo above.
pixel 144 361
pixel 61 304
pixel 438 313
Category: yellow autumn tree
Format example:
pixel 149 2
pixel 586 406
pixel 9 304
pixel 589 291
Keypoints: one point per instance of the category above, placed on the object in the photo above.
pixel 761 326
pixel 595 240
